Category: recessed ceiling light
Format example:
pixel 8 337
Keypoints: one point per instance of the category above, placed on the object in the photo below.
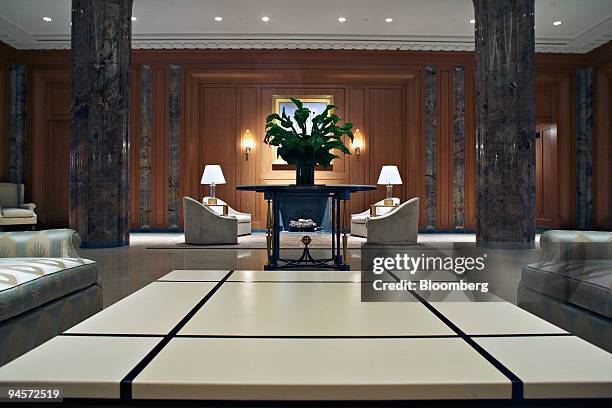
pixel 389 19
pixel 47 19
pixel 218 19
pixel 265 19
pixel 558 22
pixel 342 19
pixel 472 21
pixel 134 18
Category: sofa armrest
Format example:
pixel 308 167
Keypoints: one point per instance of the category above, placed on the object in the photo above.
pixel 29 206
pixel 567 245
pixel 399 226
pixel 55 243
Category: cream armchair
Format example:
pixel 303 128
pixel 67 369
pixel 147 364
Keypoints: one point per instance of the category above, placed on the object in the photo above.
pixel 399 226
pixel 13 211
pixel 359 221
pixel 205 226
pixel 244 219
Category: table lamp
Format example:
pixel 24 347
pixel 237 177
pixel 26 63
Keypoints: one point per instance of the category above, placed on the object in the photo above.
pixel 389 175
pixel 212 175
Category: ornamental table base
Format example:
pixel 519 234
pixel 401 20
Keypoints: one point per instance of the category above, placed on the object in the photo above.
pixel 339 227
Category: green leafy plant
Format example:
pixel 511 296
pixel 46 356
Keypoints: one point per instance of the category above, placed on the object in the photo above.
pixel 296 145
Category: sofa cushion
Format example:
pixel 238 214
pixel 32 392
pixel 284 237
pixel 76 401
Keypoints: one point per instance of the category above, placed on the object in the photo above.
pixel 242 218
pixel 17 213
pixel 359 219
pixel 26 283
pixel 9 195
pixel 587 284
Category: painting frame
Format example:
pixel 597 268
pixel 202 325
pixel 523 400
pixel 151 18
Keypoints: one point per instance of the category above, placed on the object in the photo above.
pixel 277 104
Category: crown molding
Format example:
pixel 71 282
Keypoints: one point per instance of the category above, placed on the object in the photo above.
pixel 584 42
pixel 315 44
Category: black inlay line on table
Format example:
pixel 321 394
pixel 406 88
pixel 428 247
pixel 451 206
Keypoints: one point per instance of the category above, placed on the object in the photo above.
pixel 111 335
pixel 522 335
pixel 517 383
pixel 265 281
pixel 125 390
pixel 315 337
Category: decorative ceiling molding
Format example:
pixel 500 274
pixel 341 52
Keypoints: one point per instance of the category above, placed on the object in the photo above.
pixel 323 44
pixel 584 42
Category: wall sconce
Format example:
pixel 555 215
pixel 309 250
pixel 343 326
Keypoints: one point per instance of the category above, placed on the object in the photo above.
pixel 248 143
pixel 357 142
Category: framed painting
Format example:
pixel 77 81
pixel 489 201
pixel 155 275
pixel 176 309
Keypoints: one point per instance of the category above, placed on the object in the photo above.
pixel 316 104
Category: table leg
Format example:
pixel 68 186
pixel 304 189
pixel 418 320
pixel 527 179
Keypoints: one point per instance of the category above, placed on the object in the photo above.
pixel 332 222
pixel 269 232
pixel 276 230
pixel 344 236
pixel 338 232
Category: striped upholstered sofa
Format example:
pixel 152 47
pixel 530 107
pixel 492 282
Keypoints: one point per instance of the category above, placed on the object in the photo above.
pixel 45 288
pixel 571 285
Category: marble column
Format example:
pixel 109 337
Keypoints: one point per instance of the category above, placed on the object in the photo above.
pixel 505 116
pixel 458 146
pixel 174 148
pixel 146 119
pixel 431 114
pixel 17 124
pixel 100 65
pixel 584 148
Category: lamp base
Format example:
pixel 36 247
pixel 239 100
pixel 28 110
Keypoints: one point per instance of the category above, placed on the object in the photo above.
pixel 388 201
pixel 389 193
pixel 212 201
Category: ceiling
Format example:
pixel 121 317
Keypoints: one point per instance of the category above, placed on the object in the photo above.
pixel 417 24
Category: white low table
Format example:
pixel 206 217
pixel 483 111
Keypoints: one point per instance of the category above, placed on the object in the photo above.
pixel 293 335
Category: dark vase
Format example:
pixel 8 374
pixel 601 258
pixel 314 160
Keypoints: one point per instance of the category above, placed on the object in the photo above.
pixel 304 174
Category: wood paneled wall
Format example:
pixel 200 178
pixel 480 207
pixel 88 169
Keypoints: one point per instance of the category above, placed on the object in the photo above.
pixel 220 105
pixel 223 93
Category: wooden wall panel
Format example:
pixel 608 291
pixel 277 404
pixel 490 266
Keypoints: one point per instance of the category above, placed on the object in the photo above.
pixel 381 93
pixel 58 176
pixel 358 164
pixel 386 139
pixel 546 168
pixel 49 107
pixel 247 167
pixel 218 132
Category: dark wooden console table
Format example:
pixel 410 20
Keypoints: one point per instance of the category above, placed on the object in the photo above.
pixel 339 193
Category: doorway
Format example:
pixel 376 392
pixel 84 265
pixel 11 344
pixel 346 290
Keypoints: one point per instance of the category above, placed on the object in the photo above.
pixel 546 176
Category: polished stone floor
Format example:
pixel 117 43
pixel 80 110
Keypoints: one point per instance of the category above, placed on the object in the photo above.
pixel 125 270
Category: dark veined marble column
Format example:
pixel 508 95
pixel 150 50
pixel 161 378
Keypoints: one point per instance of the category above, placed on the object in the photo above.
pixel 17 124
pixel 100 65
pixel 584 148
pixel 174 147
pixel 431 109
pixel 505 114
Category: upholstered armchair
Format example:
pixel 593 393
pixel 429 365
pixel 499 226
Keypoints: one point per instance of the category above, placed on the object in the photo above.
pixel 205 226
pixel 244 219
pixel 13 211
pixel 358 221
pixel 398 226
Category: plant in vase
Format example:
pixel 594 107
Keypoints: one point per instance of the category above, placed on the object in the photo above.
pixel 296 145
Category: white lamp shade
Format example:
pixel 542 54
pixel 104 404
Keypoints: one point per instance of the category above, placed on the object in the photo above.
pixel 212 175
pixel 389 175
